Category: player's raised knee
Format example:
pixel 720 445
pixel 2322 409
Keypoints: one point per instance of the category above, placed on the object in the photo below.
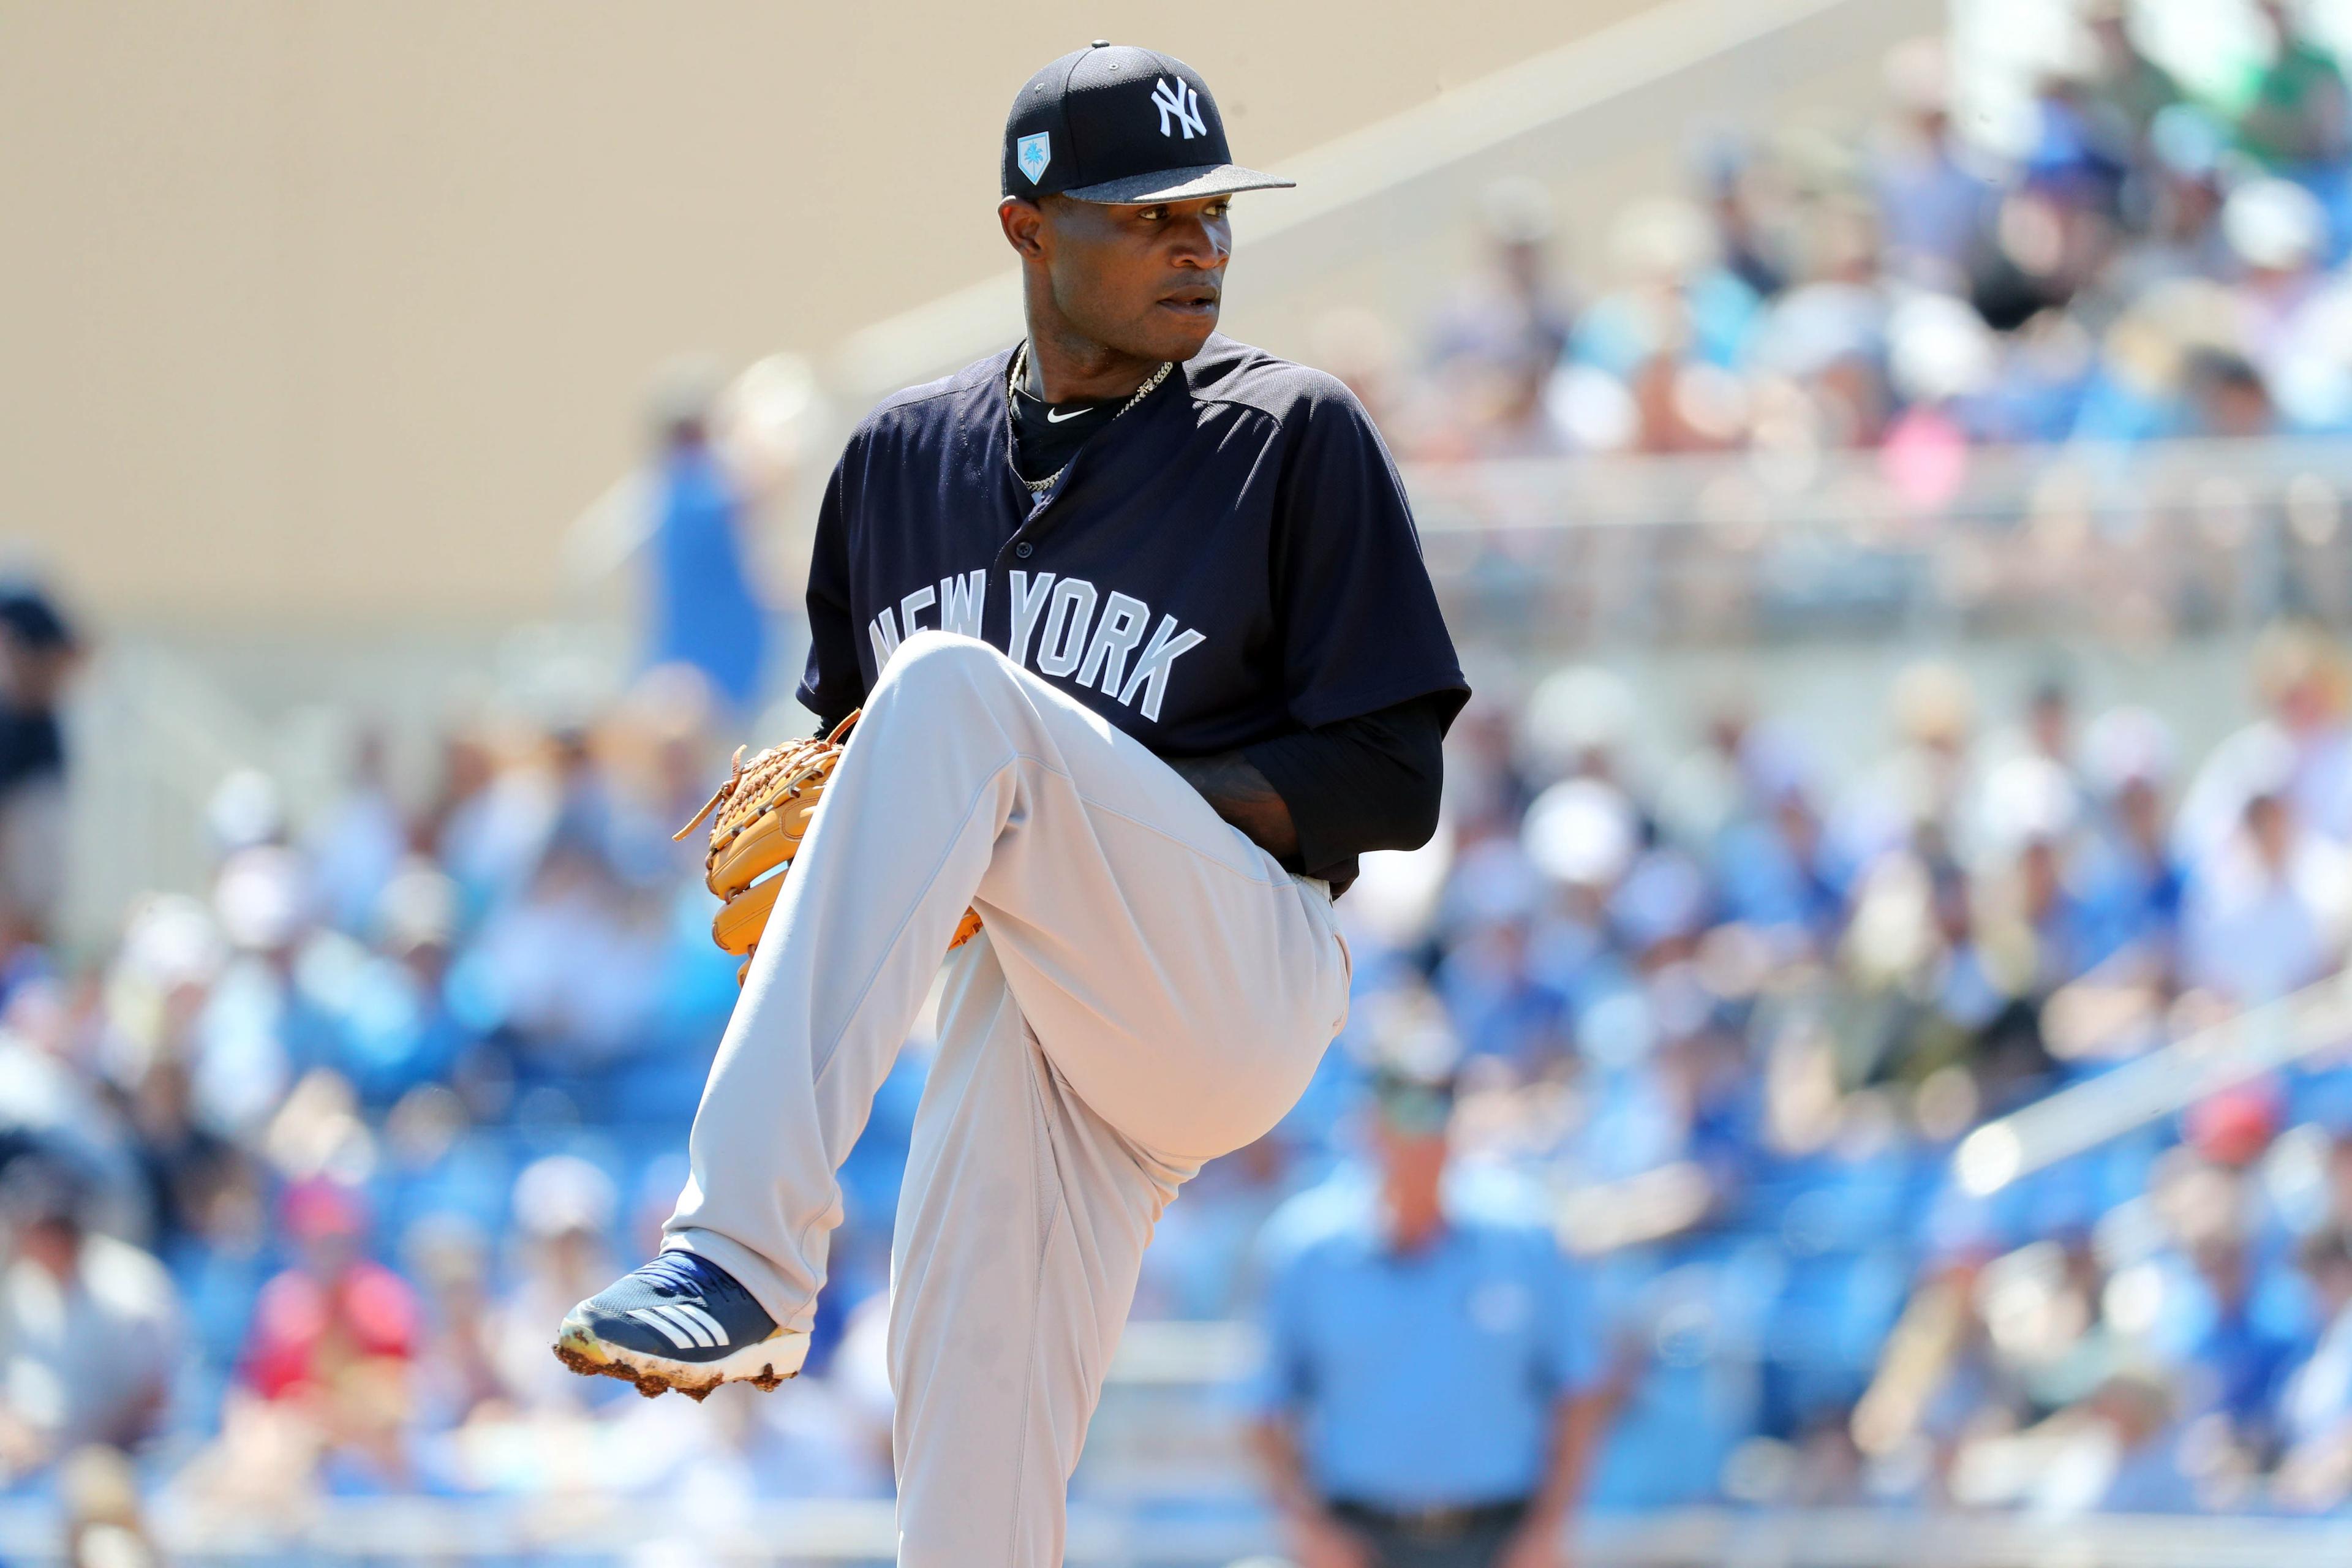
pixel 934 660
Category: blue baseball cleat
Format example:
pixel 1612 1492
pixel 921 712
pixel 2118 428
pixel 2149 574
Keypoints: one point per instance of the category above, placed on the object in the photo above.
pixel 680 1321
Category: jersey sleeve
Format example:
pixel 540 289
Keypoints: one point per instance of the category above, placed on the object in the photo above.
pixel 1372 782
pixel 834 682
pixel 1359 628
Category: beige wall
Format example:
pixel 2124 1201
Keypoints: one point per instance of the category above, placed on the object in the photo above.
pixel 338 313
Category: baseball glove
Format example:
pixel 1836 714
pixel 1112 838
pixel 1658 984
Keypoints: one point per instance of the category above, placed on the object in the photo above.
pixel 758 818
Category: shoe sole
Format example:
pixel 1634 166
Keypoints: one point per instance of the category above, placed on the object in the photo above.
pixel 763 1365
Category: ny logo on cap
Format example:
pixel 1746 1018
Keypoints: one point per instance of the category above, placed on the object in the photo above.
pixel 1033 154
pixel 1182 101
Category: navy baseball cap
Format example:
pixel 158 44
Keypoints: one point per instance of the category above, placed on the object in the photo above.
pixel 1119 124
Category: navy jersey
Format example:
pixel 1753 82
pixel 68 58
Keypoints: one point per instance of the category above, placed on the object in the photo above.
pixel 1231 560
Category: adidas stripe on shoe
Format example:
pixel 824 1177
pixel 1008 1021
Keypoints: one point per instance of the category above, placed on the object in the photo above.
pixel 680 1321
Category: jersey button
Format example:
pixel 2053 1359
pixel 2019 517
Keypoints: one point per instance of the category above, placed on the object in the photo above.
pixel 1024 550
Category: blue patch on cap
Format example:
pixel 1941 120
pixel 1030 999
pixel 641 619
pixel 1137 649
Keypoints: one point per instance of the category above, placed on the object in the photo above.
pixel 1033 154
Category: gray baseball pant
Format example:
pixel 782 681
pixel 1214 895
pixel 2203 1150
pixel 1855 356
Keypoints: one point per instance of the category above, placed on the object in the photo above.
pixel 1151 990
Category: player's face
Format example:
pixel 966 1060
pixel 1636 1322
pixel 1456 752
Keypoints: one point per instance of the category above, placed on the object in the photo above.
pixel 1144 280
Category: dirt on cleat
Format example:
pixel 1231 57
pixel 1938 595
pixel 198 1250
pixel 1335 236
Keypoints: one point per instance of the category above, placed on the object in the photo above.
pixel 589 1366
pixel 653 1386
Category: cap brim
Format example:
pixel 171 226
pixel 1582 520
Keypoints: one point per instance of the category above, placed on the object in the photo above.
pixel 1180 185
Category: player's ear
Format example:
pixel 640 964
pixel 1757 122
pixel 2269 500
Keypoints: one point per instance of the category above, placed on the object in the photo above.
pixel 1024 224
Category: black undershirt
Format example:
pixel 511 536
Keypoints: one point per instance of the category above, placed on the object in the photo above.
pixel 1046 436
pixel 1367 783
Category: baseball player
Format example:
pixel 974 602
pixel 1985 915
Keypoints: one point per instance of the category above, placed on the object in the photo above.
pixel 1145 656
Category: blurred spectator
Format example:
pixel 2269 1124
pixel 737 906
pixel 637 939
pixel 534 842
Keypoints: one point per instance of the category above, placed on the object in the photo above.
pixel 457 1377
pixel 1665 339
pixel 706 612
pixel 90 1324
pixel 1742 198
pixel 2266 913
pixel 1513 313
pixel 2178 192
pixel 2300 747
pixel 103 1527
pixel 2318 1410
pixel 2118 1451
pixel 356 850
pixel 1431 1392
pixel 2227 397
pixel 1933 199
pixel 573 963
pixel 2131 877
pixel 2238 1355
pixel 38 653
pixel 564 1209
pixel 184 1163
pixel 2125 90
pixel 333 1335
pixel 2296 119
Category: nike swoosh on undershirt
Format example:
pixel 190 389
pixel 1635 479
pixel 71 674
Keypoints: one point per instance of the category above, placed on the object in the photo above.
pixel 1054 418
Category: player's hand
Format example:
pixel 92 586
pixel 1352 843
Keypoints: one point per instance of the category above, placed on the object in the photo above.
pixel 1319 1540
pixel 1536 1546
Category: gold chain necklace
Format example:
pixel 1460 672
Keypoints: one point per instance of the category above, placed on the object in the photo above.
pixel 1012 378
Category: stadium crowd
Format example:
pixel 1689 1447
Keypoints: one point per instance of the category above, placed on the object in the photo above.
pixel 300 1173
pixel 2151 263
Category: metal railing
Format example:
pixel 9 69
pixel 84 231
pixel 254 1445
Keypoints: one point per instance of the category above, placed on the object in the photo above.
pixel 2222 1056
pixel 583 1530
pixel 2133 543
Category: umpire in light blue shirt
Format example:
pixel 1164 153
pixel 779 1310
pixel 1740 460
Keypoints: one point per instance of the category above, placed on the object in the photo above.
pixel 1431 1392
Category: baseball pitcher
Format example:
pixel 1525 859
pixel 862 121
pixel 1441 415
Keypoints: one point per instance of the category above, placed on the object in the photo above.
pixel 1124 652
